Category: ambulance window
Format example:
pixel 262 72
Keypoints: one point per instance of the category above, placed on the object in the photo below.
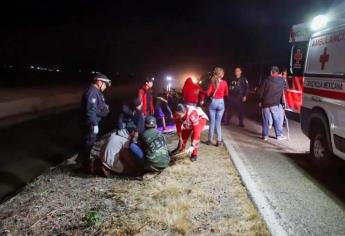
pixel 298 55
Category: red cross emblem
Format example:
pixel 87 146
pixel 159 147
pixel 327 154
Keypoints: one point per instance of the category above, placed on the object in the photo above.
pixel 324 58
pixel 298 56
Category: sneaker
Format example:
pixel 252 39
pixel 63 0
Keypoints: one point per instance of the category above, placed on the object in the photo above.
pixel 193 158
pixel 281 137
pixel 265 138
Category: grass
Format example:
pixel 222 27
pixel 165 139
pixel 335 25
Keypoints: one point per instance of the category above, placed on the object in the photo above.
pixel 201 198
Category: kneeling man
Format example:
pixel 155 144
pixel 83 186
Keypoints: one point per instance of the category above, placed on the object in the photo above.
pixel 190 121
pixel 151 152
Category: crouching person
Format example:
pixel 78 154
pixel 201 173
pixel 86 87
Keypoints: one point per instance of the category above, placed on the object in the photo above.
pixel 111 154
pixel 151 151
pixel 190 121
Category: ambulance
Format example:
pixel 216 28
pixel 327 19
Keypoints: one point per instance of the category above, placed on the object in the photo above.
pixel 322 110
pixel 299 39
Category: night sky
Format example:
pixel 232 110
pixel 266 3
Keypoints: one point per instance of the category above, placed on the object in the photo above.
pixel 131 36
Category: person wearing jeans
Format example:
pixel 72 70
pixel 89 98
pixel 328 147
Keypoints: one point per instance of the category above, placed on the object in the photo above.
pixel 274 113
pixel 270 94
pixel 216 110
pixel 217 90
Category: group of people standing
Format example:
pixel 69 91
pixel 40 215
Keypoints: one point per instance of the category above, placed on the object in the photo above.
pixel 221 100
pixel 137 146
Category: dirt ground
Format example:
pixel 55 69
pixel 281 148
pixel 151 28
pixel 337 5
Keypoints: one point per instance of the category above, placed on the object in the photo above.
pixel 201 198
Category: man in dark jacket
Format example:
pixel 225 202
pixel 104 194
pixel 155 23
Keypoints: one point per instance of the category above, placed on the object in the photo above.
pixel 238 92
pixel 270 95
pixel 132 115
pixel 93 109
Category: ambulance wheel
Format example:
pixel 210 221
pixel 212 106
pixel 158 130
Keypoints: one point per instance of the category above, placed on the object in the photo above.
pixel 322 156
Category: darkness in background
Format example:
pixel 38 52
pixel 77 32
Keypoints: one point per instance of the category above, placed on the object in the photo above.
pixel 143 37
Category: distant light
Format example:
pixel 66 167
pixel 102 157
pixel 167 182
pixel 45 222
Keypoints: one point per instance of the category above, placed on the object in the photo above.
pixel 32 67
pixel 153 78
pixel 169 78
pixel 57 70
pixel 319 22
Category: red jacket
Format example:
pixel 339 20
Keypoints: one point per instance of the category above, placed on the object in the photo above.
pixel 221 92
pixel 191 92
pixel 146 97
pixel 190 120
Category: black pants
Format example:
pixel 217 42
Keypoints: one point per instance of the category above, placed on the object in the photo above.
pixel 88 138
pixel 234 105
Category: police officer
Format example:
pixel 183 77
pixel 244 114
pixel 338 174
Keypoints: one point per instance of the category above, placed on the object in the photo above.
pixel 93 109
pixel 238 92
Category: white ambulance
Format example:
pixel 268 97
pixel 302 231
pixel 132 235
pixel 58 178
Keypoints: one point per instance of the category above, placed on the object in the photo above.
pixel 323 106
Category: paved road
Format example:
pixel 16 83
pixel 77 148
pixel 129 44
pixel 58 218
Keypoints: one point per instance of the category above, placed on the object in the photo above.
pixel 294 197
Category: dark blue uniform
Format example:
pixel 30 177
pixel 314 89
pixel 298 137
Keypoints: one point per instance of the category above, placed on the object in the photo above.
pixel 238 88
pixel 129 117
pixel 93 109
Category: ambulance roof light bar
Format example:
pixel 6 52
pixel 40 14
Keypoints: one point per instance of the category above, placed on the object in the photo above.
pixel 319 22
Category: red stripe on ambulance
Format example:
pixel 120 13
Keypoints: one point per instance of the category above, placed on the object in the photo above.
pixel 325 93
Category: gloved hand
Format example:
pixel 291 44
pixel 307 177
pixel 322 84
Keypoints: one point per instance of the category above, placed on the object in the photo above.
pixel 190 150
pixel 95 129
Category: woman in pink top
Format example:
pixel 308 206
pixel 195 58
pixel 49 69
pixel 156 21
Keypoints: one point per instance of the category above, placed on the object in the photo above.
pixel 217 90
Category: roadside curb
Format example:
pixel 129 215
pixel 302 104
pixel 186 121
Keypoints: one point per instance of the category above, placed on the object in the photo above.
pixel 266 211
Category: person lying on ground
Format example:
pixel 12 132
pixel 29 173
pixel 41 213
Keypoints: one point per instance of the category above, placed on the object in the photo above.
pixel 162 109
pixel 151 151
pixel 132 115
pixel 190 121
pixel 111 154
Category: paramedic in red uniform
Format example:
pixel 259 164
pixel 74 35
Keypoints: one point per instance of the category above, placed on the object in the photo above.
pixel 217 90
pixel 145 95
pixel 190 121
pixel 191 92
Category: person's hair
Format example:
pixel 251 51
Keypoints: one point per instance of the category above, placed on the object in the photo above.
pixel 147 80
pixel 181 108
pixel 218 74
pixel 275 69
pixel 131 128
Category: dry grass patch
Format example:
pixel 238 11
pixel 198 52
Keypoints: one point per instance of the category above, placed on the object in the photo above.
pixel 201 198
